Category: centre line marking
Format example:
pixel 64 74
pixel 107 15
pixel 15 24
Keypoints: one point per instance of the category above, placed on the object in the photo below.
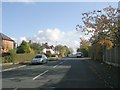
pixel 61 62
pixel 40 75
pixel 55 66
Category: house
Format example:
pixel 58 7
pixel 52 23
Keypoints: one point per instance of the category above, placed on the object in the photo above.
pixel 48 49
pixel 6 43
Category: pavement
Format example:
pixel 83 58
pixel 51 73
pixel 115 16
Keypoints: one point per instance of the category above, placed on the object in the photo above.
pixel 64 73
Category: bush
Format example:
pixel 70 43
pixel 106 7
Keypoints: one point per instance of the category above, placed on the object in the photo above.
pixel 7 59
pixel 23 48
pixel 12 55
pixel 18 58
pixel 22 58
pixel 84 51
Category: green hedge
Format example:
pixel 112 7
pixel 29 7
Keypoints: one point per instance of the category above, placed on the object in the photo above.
pixel 18 58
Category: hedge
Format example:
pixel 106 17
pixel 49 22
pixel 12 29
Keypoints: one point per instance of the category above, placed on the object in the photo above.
pixel 18 58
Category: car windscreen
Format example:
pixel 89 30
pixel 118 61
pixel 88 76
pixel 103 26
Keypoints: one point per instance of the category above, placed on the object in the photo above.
pixel 40 56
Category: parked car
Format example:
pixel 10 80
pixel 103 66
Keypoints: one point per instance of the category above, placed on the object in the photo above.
pixel 53 58
pixel 78 54
pixel 40 58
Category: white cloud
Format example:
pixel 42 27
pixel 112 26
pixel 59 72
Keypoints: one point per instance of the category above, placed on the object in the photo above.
pixel 56 36
pixel 71 39
pixel 22 38
pixel 19 40
pixel 48 35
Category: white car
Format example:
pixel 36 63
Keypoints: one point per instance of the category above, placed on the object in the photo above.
pixel 79 54
pixel 40 58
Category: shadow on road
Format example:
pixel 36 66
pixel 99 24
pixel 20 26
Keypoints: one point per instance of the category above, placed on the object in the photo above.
pixel 86 74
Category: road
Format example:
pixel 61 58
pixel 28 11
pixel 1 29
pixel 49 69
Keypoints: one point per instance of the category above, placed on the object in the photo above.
pixel 64 73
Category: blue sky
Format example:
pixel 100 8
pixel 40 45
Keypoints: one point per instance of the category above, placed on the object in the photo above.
pixel 28 20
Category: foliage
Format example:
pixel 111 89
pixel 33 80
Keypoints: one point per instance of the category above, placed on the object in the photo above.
pixel 36 47
pixel 102 25
pixel 6 59
pixel 84 43
pixel 84 51
pixel 22 58
pixel 12 52
pixel 23 48
pixel 78 49
pixel 84 47
pixel 97 52
pixel 18 58
pixel 12 55
pixel 63 50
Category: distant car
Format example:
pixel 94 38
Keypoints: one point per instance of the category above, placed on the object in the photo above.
pixel 78 54
pixel 53 58
pixel 39 59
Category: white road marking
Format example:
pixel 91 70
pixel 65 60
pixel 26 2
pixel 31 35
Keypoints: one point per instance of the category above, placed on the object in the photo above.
pixel 15 89
pixel 11 78
pixel 55 66
pixel 40 75
pixel 45 71
pixel 61 62
pixel 13 68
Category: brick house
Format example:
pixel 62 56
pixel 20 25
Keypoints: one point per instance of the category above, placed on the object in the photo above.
pixel 6 43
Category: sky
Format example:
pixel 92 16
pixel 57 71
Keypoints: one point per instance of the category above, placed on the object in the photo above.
pixel 52 22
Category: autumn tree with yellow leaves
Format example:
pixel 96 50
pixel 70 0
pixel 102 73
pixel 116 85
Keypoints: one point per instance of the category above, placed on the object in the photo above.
pixel 103 27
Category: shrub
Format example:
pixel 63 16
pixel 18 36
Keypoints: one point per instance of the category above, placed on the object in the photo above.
pixel 17 58
pixel 12 55
pixel 7 59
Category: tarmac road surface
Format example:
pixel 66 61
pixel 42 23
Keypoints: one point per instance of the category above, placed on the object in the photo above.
pixel 64 73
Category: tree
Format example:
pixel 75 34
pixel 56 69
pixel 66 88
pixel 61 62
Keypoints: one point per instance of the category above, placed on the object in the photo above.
pixel 101 24
pixel 23 48
pixel 36 47
pixel 84 47
pixel 78 49
pixel 67 51
pixel 63 50
pixel 84 43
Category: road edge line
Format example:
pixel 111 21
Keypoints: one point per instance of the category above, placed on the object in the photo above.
pixel 13 68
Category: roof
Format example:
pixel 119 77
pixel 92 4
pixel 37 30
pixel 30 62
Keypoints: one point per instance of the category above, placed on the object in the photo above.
pixel 4 37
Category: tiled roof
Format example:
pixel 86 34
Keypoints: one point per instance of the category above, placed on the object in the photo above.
pixel 2 36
